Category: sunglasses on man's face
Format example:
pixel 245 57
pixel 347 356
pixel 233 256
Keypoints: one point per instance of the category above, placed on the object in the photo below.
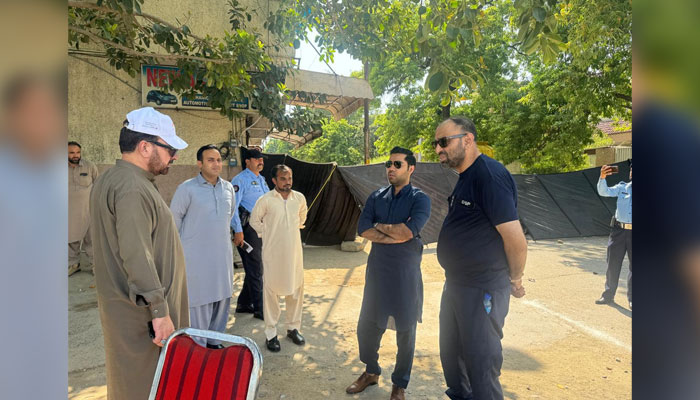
pixel 443 141
pixel 170 149
pixel 396 164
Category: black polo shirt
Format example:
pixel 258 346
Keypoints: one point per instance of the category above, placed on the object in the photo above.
pixel 470 249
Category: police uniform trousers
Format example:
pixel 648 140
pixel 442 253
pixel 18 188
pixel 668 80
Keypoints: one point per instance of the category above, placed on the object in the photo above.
pixel 252 292
pixel 294 303
pixel 470 341
pixel 210 317
pixel 619 243
pixel 74 249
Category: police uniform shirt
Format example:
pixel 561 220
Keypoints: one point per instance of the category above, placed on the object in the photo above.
pixel 623 192
pixel 248 188
pixel 470 249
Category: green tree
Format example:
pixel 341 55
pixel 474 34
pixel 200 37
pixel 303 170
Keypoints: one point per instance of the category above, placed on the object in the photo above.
pixel 539 113
pixel 277 146
pixel 341 142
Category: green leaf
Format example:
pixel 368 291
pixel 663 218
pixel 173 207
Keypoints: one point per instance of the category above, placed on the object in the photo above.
pixel 530 44
pixel 446 100
pixel 539 13
pixel 297 43
pixel 435 81
pixel 451 32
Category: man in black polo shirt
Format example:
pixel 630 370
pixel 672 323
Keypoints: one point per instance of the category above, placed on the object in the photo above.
pixel 483 250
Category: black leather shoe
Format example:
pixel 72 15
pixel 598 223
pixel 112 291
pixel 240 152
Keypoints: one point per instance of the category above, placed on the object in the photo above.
pixel 273 344
pixel 296 337
pixel 244 309
pixel 603 300
pixel 215 346
pixel 259 315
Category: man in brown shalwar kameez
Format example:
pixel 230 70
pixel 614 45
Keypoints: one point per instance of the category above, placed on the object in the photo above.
pixel 139 262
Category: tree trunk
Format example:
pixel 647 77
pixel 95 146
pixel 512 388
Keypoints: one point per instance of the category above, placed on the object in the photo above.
pixel 446 111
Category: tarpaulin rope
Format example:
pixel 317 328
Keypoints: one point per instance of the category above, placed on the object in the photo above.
pixel 324 185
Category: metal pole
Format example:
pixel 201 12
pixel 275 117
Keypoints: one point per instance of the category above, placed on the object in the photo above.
pixel 366 129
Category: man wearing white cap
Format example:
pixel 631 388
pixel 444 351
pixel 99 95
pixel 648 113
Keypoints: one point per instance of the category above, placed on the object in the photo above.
pixel 139 261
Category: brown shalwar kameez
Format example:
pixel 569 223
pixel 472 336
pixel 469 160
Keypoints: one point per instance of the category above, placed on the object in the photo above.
pixel 140 274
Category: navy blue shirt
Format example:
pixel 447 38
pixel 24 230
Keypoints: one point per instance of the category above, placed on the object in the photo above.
pixel 393 280
pixel 410 206
pixel 470 249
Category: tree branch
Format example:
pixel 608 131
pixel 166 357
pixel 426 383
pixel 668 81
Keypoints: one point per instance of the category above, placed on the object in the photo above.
pixel 517 50
pixel 623 96
pixel 135 53
pixel 91 6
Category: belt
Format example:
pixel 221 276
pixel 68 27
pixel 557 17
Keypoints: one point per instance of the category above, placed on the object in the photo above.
pixel 624 225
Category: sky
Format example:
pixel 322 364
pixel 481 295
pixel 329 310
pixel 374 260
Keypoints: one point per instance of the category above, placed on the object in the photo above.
pixel 343 64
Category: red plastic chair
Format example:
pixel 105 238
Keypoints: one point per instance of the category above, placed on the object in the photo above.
pixel 188 371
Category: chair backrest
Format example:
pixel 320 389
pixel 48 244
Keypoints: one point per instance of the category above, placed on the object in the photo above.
pixel 189 371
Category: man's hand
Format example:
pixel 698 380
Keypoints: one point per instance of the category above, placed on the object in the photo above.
pixel 163 327
pixel 517 289
pixel 238 239
pixel 605 170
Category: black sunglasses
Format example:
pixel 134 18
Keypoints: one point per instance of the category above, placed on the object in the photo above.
pixel 170 149
pixel 397 164
pixel 443 141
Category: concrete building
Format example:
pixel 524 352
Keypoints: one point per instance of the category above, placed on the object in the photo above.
pixel 99 96
pixel 620 132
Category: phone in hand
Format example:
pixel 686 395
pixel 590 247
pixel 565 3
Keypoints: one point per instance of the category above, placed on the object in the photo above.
pixel 614 169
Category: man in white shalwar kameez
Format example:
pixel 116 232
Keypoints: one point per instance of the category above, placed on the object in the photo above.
pixel 277 218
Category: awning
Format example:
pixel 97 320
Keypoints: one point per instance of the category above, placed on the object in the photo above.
pixel 343 95
pixel 262 128
pixel 340 95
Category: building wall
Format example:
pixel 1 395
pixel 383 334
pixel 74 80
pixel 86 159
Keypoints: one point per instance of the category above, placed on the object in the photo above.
pixel 621 138
pixel 99 96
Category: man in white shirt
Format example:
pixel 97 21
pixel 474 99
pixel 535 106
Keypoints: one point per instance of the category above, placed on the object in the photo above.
pixel 277 218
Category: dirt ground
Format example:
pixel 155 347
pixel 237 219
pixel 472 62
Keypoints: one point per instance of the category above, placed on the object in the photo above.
pixel 558 344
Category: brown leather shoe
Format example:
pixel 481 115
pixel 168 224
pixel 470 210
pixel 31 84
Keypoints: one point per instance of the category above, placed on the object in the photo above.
pixel 362 382
pixel 397 393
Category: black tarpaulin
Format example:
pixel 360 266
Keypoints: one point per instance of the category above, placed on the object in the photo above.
pixel 432 178
pixel 549 206
pixel 538 212
pixel 333 212
pixel 578 201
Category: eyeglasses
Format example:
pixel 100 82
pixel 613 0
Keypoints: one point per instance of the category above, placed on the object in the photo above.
pixel 443 141
pixel 396 164
pixel 170 149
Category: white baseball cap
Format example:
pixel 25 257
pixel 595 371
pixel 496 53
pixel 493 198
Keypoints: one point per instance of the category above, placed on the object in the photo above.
pixel 148 120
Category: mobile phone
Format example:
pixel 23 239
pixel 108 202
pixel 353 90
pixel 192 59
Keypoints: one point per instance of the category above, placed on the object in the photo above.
pixel 151 331
pixel 614 169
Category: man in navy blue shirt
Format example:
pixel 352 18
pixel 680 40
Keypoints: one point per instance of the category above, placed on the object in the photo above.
pixel 483 249
pixel 620 241
pixel 392 219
